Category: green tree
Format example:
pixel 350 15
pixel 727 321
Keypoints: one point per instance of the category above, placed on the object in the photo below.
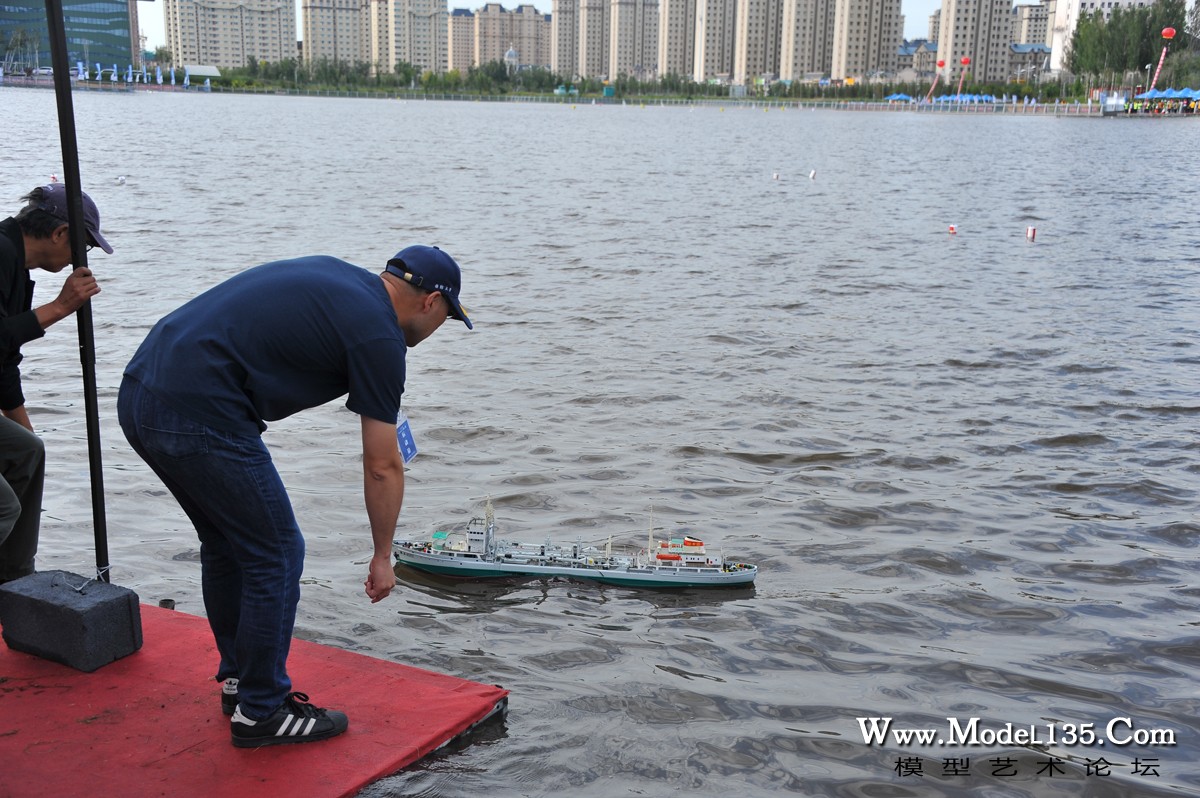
pixel 406 73
pixel 1127 41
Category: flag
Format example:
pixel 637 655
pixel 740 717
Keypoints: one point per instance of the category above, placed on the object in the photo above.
pixel 186 77
pixel 158 75
pixel 129 74
pixel 97 70
pixel 172 76
pixel 114 74
pixel 81 70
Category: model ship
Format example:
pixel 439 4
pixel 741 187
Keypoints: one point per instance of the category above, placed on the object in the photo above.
pixel 677 563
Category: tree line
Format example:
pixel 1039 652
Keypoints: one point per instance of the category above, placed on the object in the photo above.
pixel 495 78
pixel 492 78
pixel 1118 49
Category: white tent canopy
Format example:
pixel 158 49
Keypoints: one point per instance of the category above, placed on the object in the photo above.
pixel 202 71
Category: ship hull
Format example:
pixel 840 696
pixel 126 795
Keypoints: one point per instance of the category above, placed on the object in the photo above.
pixel 474 566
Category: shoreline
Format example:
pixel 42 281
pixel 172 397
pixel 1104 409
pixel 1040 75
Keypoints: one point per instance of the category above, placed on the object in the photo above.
pixel 789 104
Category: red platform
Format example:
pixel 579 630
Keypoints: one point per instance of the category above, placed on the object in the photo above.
pixel 150 724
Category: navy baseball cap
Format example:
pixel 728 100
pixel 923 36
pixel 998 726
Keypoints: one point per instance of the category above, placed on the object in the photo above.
pixel 433 270
pixel 54 202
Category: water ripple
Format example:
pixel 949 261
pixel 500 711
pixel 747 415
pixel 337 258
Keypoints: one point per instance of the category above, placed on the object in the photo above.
pixel 966 464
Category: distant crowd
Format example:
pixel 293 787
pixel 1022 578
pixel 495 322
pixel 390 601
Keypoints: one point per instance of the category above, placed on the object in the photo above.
pixel 1163 107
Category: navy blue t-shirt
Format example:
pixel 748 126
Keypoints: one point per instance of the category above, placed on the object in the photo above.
pixel 275 340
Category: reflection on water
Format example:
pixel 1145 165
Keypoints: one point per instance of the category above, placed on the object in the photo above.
pixel 965 465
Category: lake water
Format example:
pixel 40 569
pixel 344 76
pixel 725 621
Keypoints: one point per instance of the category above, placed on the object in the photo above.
pixel 967 464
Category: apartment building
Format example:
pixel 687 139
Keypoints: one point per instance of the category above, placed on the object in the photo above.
pixel 333 30
pixel 714 40
pixel 806 38
pixel 564 38
pixel 524 30
pixel 633 38
pixel 227 33
pixel 409 31
pixel 866 38
pixel 594 39
pixel 756 44
pixel 676 37
pixel 1031 23
pixel 420 32
pixel 460 41
pixel 737 41
pixel 980 30
pixel 492 33
pixel 531 36
pixel 377 26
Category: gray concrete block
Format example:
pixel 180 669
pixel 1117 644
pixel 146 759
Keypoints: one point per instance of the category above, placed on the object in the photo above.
pixel 67 618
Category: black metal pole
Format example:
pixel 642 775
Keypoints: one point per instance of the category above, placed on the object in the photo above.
pixel 87 344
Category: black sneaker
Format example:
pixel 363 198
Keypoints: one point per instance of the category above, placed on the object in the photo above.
pixel 297 721
pixel 229 696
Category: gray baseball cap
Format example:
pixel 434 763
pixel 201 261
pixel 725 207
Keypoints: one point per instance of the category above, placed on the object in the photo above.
pixel 54 202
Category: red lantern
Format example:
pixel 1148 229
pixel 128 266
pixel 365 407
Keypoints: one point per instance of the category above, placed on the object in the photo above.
pixel 941 64
pixel 965 60
pixel 1168 33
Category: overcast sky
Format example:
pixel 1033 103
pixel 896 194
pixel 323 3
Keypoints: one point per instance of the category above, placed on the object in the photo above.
pixel 150 17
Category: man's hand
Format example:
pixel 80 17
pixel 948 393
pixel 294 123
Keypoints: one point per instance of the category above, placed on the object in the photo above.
pixel 380 578
pixel 383 487
pixel 79 287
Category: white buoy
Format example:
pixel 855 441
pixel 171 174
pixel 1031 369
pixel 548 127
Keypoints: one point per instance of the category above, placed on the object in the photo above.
pixel 1031 232
pixel 775 176
pixel 120 180
pixel 812 175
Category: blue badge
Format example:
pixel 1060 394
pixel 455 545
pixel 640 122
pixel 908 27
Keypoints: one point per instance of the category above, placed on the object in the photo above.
pixel 404 437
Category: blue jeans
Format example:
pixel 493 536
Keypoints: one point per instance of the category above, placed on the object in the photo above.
pixel 251 549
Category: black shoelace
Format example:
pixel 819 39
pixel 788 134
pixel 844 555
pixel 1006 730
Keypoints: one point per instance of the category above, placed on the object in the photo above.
pixel 298 702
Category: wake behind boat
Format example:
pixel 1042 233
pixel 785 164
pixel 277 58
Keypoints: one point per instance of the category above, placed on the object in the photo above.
pixel 678 562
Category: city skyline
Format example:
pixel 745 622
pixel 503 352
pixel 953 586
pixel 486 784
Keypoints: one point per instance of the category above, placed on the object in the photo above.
pixel 150 17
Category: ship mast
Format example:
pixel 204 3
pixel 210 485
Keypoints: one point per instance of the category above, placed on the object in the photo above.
pixel 489 532
pixel 650 539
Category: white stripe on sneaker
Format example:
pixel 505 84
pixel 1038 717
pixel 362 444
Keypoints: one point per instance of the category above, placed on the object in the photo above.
pixel 294 726
pixel 283 727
